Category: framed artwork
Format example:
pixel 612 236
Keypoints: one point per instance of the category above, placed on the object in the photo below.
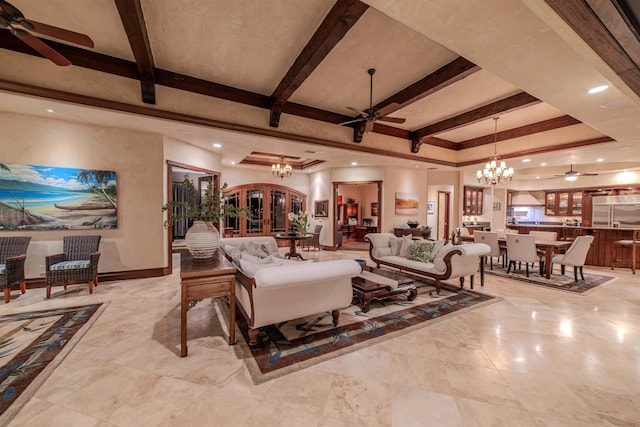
pixel 431 207
pixel 374 209
pixel 406 204
pixel 53 198
pixel 496 206
pixel 321 208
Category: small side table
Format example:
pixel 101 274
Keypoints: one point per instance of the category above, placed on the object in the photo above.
pixel 210 278
pixel 293 241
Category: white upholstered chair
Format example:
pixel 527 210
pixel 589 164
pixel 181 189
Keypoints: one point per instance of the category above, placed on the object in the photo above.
pixel 491 239
pixel 545 235
pixel 575 255
pixel 522 248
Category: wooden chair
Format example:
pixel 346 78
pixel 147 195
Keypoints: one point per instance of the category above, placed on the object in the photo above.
pixel 78 262
pixel 633 244
pixel 570 233
pixel 575 255
pixel 13 254
pixel 315 240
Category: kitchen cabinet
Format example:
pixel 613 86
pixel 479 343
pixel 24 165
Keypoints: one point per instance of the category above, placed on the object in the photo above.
pixel 472 201
pixel 563 203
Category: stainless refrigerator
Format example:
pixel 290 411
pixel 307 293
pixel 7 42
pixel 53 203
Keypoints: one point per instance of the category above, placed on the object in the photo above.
pixel 616 211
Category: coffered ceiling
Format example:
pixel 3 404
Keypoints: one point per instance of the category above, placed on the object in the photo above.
pixel 280 76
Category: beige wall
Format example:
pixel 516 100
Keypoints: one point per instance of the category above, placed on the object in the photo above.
pixel 135 157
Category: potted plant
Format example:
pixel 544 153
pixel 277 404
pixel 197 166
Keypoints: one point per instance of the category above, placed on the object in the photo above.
pixel 202 238
pixel 351 200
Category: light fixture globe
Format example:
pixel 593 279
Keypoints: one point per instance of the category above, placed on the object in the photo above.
pixel 281 169
pixel 495 172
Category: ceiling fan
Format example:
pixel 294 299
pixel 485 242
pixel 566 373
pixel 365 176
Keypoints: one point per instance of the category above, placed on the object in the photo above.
pixel 370 115
pixel 572 175
pixel 11 17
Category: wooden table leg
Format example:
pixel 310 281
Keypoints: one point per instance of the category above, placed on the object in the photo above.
pixel 183 322
pixel 232 312
pixel 547 262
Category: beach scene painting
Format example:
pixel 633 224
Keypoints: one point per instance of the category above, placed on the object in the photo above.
pixel 54 198
pixel 406 204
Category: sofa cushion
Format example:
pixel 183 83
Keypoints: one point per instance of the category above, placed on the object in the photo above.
pixel 256 259
pixel 427 267
pixel 70 265
pixel 394 244
pixel 421 251
pixel 405 247
pixel 233 252
pixel 437 246
pixel 3 269
pixel 257 249
pixel 380 252
pixel 378 240
pixel 251 268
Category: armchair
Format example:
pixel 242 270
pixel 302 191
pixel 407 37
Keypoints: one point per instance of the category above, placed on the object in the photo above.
pixel 315 240
pixel 13 254
pixel 78 262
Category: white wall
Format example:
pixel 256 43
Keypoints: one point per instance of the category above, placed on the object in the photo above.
pixel 136 158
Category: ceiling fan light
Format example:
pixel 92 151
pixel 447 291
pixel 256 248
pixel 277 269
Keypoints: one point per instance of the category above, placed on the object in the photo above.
pixel 571 177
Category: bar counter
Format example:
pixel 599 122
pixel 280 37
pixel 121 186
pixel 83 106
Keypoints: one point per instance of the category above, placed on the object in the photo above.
pixel 600 252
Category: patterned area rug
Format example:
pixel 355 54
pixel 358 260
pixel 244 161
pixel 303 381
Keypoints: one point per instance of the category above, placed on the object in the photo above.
pixel 557 281
pixel 32 345
pixel 294 345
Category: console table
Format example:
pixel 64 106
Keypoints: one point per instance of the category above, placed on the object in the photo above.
pixel 209 278
pixel 414 232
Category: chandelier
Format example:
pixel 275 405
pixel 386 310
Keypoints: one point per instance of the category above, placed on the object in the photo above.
pixel 281 169
pixel 493 173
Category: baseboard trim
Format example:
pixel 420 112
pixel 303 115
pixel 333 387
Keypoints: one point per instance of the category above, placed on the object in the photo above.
pixel 39 282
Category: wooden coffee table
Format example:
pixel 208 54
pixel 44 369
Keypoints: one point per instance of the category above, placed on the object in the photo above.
pixel 367 291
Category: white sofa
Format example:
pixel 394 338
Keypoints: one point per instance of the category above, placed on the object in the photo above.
pixel 283 290
pixel 447 261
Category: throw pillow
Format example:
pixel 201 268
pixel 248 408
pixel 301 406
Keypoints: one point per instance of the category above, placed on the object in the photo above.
pixel 421 252
pixel 437 246
pixel 395 243
pixel 255 249
pixel 405 246
pixel 256 259
pixel 250 268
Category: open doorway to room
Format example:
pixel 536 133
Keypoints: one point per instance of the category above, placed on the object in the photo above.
pixel 201 178
pixel 443 215
pixel 357 211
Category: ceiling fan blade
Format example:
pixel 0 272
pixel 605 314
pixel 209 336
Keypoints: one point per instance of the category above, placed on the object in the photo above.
pixel 360 112
pixel 388 109
pixel 58 33
pixel 351 121
pixel 41 47
pixel 369 126
pixel 391 119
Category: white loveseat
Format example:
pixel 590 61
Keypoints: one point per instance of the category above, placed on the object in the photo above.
pixel 447 261
pixel 274 290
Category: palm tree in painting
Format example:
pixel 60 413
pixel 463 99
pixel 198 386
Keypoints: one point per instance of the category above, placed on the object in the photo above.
pixel 97 181
pixel 5 167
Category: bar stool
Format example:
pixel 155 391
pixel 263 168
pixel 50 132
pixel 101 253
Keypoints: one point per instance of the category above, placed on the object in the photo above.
pixel 634 244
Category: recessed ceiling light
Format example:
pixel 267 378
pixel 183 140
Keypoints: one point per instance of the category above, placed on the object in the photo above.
pixel 599 160
pixel 598 89
pixel 537 177
pixel 232 162
pixel 49 110
pixel 526 160
pixel 217 145
pixel 543 164
pixel 354 163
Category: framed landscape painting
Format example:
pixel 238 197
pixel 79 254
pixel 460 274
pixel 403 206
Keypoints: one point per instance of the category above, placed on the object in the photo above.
pixel 406 204
pixel 53 198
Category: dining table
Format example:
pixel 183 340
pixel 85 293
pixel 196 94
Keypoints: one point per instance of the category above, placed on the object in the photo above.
pixel 548 246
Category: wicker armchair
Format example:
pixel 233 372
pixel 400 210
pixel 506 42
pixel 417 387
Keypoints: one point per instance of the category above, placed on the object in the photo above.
pixel 314 240
pixel 13 254
pixel 78 262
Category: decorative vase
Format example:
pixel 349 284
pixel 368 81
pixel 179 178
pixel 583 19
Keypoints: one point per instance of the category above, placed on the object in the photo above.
pixel 202 240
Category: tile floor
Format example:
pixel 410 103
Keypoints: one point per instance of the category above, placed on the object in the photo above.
pixel 539 357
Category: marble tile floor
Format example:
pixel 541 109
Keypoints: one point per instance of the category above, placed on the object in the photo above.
pixel 539 357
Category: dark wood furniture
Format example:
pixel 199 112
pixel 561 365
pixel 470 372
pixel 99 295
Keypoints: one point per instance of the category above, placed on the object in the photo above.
pixel 367 290
pixel 563 202
pixel 401 231
pixel 200 279
pixel 472 200
pixel 293 241
pixel 633 244
pixel 363 230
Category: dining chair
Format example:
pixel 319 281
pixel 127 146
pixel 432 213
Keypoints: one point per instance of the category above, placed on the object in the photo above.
pixel 545 235
pixel 574 256
pixel 314 240
pixel 522 248
pixel 13 254
pixel 77 262
pixel 491 238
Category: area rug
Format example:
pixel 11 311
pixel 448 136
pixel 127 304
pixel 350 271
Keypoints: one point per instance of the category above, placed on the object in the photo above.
pixel 557 281
pixel 294 345
pixel 32 345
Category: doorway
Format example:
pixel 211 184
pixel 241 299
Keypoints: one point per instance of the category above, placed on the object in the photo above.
pixel 357 210
pixel 175 175
pixel 443 215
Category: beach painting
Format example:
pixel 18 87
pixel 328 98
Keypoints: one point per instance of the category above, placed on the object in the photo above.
pixel 53 198
pixel 406 204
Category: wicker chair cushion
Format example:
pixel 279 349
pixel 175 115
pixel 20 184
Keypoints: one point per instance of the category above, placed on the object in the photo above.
pixel 70 265
pixel 3 269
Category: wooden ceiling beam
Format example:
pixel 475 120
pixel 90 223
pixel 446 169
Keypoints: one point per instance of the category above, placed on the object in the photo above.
pixel 543 126
pixel 342 16
pixel 134 25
